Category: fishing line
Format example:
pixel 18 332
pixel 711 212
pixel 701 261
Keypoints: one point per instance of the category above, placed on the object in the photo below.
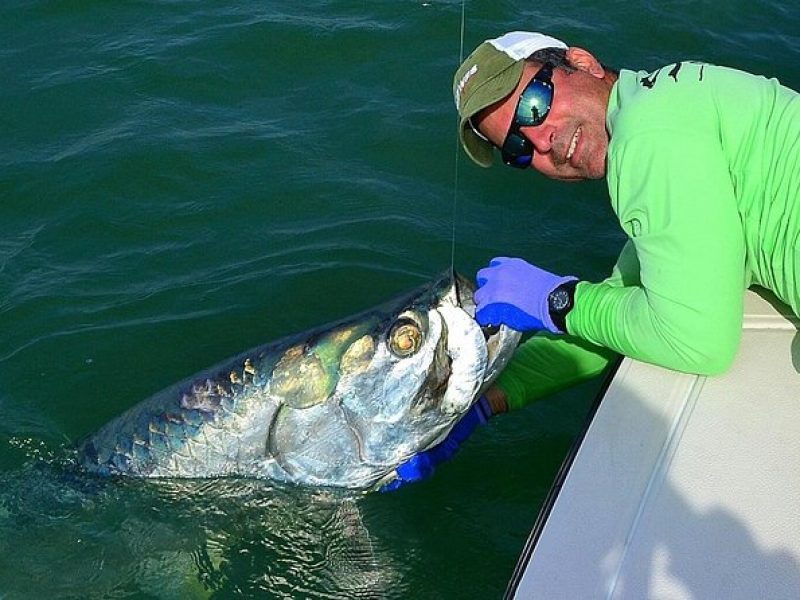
pixel 457 154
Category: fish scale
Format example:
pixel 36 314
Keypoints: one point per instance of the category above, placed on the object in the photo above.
pixel 341 405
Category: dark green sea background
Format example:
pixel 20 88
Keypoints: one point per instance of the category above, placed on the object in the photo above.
pixel 182 180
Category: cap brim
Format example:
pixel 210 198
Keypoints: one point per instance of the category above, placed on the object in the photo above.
pixel 480 150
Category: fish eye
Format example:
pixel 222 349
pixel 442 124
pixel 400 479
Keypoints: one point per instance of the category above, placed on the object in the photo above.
pixel 405 337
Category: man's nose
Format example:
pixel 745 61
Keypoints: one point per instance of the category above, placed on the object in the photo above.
pixel 541 137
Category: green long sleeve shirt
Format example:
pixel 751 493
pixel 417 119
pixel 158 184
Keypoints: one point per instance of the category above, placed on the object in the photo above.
pixel 703 172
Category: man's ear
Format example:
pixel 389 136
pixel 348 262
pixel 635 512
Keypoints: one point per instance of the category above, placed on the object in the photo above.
pixel 584 60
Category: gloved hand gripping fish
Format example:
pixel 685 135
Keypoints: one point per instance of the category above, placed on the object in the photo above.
pixel 340 406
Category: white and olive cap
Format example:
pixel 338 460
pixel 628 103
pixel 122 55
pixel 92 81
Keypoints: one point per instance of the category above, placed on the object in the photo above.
pixel 487 76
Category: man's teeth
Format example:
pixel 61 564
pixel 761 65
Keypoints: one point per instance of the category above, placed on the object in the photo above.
pixel 574 143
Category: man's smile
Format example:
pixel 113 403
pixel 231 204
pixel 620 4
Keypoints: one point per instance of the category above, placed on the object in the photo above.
pixel 573 144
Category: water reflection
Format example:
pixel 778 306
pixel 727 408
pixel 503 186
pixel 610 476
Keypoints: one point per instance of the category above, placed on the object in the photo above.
pixel 63 534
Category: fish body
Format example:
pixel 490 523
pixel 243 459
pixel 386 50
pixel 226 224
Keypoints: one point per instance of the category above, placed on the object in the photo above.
pixel 342 405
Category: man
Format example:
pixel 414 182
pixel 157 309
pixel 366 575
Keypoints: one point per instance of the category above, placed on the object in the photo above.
pixel 703 171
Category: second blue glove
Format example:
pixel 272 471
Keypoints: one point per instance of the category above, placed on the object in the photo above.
pixel 422 465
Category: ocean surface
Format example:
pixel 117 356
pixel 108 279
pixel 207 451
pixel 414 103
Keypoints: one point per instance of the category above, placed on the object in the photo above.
pixel 182 180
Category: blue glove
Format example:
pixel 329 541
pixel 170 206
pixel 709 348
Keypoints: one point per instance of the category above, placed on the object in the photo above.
pixel 422 465
pixel 515 293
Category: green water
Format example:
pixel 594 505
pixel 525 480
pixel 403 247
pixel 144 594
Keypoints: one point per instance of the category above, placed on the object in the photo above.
pixel 180 181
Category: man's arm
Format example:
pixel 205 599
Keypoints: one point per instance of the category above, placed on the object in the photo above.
pixel 548 363
pixel 676 202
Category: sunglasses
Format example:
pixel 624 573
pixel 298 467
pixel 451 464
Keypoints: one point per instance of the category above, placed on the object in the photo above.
pixel 533 107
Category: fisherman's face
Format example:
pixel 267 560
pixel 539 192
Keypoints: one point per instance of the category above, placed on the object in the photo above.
pixel 572 142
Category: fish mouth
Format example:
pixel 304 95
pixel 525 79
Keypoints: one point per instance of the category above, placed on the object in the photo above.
pixel 463 292
pixel 490 330
pixel 500 340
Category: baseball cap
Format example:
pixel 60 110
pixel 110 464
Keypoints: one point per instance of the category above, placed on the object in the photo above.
pixel 488 75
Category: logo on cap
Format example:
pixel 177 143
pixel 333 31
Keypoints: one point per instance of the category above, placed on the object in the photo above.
pixel 462 84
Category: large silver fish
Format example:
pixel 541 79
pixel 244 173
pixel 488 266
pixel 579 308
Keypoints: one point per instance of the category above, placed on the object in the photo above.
pixel 338 406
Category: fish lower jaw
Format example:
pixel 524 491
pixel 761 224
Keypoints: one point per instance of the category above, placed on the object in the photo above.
pixel 456 406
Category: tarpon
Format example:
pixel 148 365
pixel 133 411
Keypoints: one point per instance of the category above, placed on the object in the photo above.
pixel 341 405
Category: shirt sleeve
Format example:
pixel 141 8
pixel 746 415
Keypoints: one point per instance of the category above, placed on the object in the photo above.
pixel 674 198
pixel 548 363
